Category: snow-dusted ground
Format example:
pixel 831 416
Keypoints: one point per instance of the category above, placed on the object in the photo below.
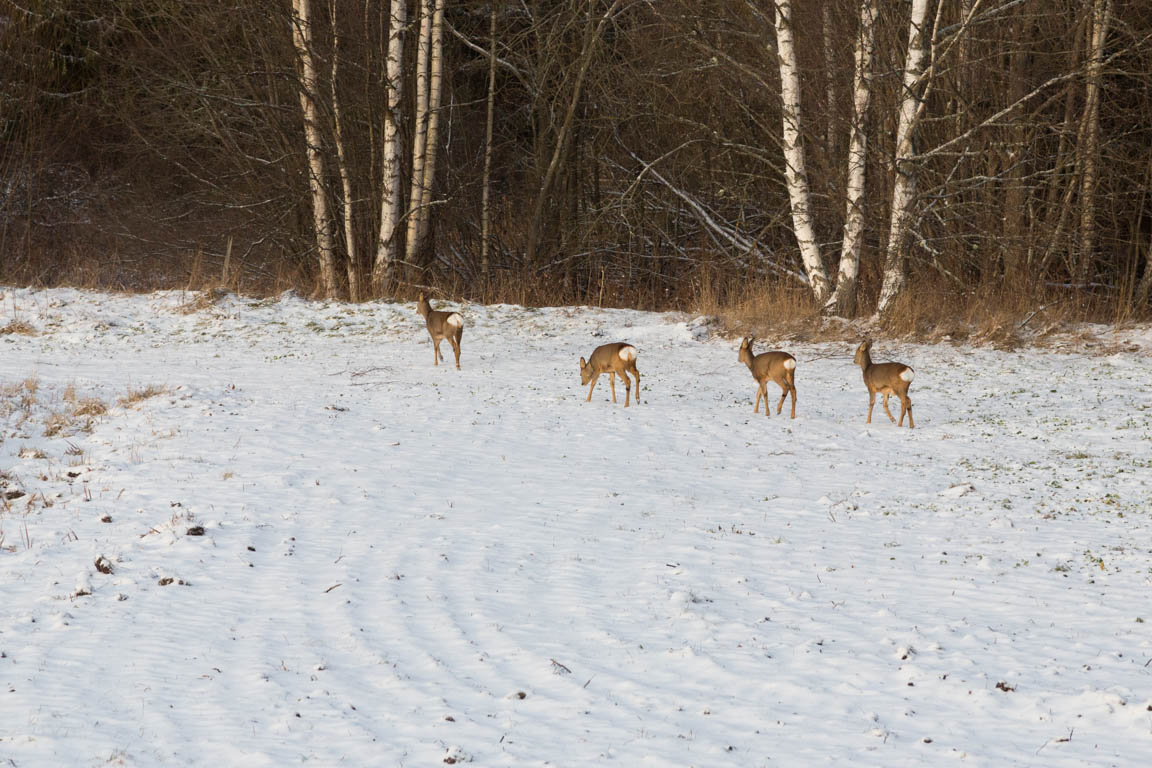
pixel 407 565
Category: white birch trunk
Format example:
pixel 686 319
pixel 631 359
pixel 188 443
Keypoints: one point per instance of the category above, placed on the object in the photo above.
pixel 387 247
pixel 353 263
pixel 1090 149
pixel 321 219
pixel 829 85
pixel 904 187
pixel 420 130
pixel 435 88
pixel 795 172
pixel 486 195
pixel 843 301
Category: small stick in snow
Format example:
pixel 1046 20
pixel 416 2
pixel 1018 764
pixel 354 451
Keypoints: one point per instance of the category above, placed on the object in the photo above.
pixel 332 588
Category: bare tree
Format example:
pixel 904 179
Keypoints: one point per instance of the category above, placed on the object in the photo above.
pixel 309 94
pixel 486 195
pixel 795 171
pixel 593 30
pixel 904 187
pixel 435 88
pixel 427 11
pixel 843 300
pixel 1090 147
pixel 342 162
pixel 387 247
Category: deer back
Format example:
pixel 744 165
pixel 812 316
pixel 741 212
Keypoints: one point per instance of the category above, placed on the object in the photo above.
pixel 612 357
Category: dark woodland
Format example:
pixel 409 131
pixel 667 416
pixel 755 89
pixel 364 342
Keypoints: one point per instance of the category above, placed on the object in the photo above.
pixel 611 152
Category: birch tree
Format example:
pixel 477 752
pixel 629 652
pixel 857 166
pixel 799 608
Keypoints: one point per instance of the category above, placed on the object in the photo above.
pixel 423 210
pixel 843 300
pixel 1090 147
pixel 353 259
pixel 387 247
pixel 321 218
pixel 904 186
pixel 795 172
pixel 427 11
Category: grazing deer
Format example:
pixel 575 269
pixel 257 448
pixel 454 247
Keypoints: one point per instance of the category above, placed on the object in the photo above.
pixel 441 325
pixel 612 359
pixel 887 379
pixel 779 367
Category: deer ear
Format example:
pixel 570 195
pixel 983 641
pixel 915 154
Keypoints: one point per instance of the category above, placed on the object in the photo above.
pixel 582 363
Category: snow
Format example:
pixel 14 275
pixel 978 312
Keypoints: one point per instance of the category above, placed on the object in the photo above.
pixel 325 550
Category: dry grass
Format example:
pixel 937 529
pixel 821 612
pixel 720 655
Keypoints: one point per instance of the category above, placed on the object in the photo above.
pixel 1005 317
pixel 135 396
pixel 933 308
pixel 57 423
pixel 89 406
pixel 19 396
pixel 19 327
pixel 204 299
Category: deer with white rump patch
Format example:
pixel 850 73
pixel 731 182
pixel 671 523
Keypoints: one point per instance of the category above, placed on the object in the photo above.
pixel 441 325
pixel 779 367
pixel 887 379
pixel 613 359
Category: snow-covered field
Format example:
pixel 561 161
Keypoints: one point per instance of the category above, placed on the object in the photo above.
pixel 402 565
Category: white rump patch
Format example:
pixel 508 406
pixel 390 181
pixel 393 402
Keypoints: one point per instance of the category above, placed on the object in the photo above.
pixel 628 354
pixel 789 364
pixel 455 320
pixel 907 374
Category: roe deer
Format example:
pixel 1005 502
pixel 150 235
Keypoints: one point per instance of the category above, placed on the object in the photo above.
pixel 612 359
pixel 779 367
pixel 441 325
pixel 887 379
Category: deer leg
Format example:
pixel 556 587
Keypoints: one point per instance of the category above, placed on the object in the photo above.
pixel 594 380
pixel 792 388
pixel 871 402
pixel 636 375
pixel 783 394
pixel 612 381
pixel 456 345
pixel 627 388
pixel 436 351
pixel 759 389
pixel 906 405
pixel 890 416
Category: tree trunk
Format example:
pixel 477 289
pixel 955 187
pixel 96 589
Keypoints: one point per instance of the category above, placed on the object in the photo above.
pixel 435 88
pixel 321 219
pixel 843 301
pixel 1101 16
pixel 353 263
pixel 486 194
pixel 1015 248
pixel 795 172
pixel 904 186
pixel 387 247
pixel 829 85
pixel 420 131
